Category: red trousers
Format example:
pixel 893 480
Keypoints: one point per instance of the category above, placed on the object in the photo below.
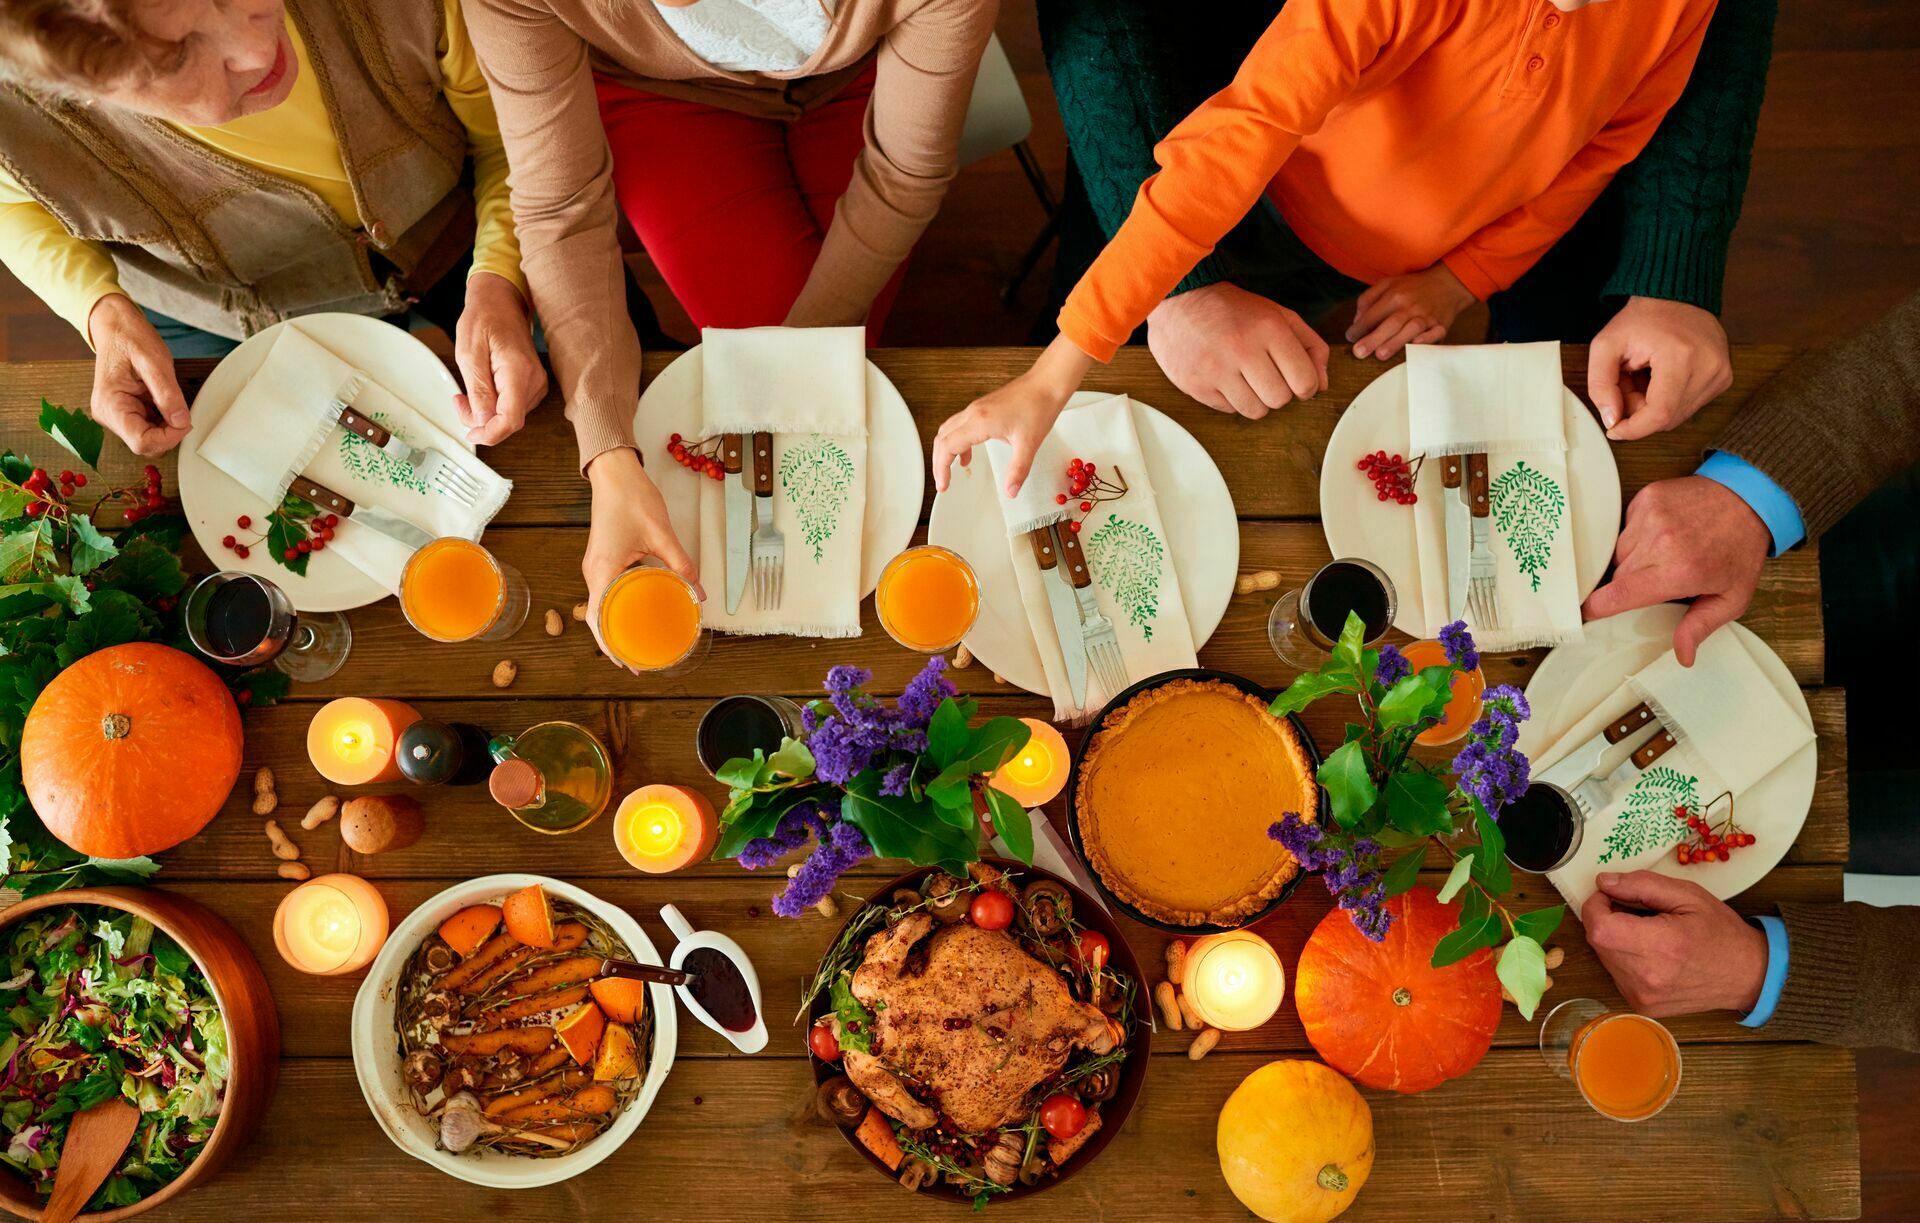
pixel 731 208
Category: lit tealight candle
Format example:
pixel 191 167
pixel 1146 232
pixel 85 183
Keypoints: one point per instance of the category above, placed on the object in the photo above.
pixel 1035 774
pixel 330 925
pixel 664 828
pixel 1234 980
pixel 351 741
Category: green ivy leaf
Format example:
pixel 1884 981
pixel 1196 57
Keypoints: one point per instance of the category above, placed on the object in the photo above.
pixel 78 432
pixel 1456 878
pixel 1417 803
pixel 146 569
pixel 73 592
pixel 744 773
pixel 1522 968
pixel 1466 939
pixel 1407 703
pixel 90 549
pixel 1311 686
pixel 794 759
pixel 1348 783
pixel 898 827
pixel 265 686
pixel 1404 872
pixel 1346 651
pixel 1540 924
pixel 115 618
pixel 13 502
pixel 166 529
pixel 1013 824
pixel 947 733
pixel 27 549
pixel 26 598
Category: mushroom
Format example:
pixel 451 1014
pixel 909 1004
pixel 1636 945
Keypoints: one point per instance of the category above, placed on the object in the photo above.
pixel 438 1008
pixel 947 897
pixel 1045 907
pixel 905 898
pixel 509 1066
pixel 1033 1170
pixel 1101 1084
pixel 463 1074
pixel 422 1070
pixel 966 1170
pixel 1003 1159
pixel 916 1174
pixel 438 957
pixel 840 1103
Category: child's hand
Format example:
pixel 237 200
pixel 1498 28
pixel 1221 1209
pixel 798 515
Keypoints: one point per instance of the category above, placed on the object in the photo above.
pixel 1413 309
pixel 1020 414
pixel 1236 351
pixel 1682 351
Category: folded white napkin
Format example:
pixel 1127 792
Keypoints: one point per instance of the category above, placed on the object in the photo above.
pixel 1503 400
pixel 1051 853
pixel 282 424
pixel 1125 544
pixel 808 387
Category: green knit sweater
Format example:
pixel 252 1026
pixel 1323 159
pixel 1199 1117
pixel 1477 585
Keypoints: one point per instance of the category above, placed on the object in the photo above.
pixel 1126 71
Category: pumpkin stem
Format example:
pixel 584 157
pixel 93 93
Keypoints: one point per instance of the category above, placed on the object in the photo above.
pixel 1401 997
pixel 116 726
pixel 1331 1178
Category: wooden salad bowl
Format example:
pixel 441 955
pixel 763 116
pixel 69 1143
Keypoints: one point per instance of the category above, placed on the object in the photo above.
pixel 246 1004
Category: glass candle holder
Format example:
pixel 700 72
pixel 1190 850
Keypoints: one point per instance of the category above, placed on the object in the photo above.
pixel 330 925
pixel 1234 980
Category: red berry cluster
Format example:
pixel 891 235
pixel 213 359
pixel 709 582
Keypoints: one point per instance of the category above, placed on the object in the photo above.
pixel 316 534
pixel 1392 476
pixel 701 457
pixel 50 493
pixel 1086 486
pixel 1710 843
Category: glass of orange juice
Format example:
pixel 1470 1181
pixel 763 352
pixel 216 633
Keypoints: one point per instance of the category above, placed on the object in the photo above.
pixel 927 598
pixel 650 621
pixel 1626 1066
pixel 1463 708
pixel 455 590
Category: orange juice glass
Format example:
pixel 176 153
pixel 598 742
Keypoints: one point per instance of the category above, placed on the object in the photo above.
pixel 650 621
pixel 455 590
pixel 1462 710
pixel 1626 1066
pixel 927 598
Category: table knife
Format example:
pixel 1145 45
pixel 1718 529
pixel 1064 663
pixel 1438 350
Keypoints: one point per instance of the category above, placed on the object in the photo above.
pixel 1596 794
pixel 1066 612
pixel 1459 533
pixel 1580 764
pixel 373 517
pixel 739 502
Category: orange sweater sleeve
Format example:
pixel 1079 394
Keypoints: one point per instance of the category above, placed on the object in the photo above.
pixel 1500 253
pixel 1217 161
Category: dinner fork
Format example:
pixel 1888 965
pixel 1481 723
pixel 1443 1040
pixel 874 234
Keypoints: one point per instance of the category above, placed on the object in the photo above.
pixel 769 545
pixel 1096 628
pixel 435 468
pixel 1483 598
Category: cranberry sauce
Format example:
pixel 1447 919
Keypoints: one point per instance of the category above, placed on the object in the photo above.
pixel 720 989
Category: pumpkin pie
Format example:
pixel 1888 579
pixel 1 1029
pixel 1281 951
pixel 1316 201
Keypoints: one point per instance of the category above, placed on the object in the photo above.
pixel 1176 793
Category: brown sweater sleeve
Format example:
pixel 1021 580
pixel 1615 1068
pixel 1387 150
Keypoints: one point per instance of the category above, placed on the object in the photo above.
pixel 923 79
pixel 564 210
pixel 1852 976
pixel 1834 426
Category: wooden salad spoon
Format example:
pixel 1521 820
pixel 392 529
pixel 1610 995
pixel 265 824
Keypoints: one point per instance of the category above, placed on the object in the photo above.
pixel 96 1140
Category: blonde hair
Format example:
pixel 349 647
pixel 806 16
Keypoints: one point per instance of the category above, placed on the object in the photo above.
pixel 71 45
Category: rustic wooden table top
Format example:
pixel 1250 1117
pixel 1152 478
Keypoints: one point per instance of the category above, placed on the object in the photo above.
pixel 1760 1129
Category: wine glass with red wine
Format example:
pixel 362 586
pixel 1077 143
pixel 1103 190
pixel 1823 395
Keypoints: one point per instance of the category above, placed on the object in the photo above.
pixel 1306 623
pixel 244 620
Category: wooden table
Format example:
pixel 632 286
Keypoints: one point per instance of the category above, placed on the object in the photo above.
pixel 1761 1128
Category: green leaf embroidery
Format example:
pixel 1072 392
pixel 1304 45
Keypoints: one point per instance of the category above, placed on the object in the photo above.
pixel 1527 506
pixel 1645 821
pixel 368 462
pixel 816 475
pixel 78 432
pixel 1127 557
pixel 1522 968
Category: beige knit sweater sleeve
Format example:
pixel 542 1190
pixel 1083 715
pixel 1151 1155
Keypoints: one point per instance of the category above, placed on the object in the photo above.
pixel 1852 976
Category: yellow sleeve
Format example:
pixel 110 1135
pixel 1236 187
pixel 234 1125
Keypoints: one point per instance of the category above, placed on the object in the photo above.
pixel 69 274
pixel 496 248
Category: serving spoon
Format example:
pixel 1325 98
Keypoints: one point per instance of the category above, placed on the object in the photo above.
pixel 645 972
pixel 96 1139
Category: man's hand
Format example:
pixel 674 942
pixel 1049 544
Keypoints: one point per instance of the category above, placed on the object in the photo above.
pixel 1020 414
pixel 1413 309
pixel 1676 351
pixel 629 524
pixel 135 394
pixel 1691 954
pixel 1236 351
pixel 1690 538
pixel 493 346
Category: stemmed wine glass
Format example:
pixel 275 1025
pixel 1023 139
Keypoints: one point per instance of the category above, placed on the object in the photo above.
pixel 244 620
pixel 1304 624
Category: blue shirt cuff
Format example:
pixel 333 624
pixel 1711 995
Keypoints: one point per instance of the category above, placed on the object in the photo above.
pixel 1776 979
pixel 1766 498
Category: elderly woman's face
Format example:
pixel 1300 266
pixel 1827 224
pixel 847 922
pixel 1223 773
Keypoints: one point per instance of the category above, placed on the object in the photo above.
pixel 222 59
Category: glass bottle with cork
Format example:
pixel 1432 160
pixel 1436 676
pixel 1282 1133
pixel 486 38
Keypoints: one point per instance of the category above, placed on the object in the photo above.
pixel 554 777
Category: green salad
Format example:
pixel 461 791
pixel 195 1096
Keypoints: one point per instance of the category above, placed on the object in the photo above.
pixel 98 1003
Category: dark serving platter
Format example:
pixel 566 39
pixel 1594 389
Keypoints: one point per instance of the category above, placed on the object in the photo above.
pixel 1073 792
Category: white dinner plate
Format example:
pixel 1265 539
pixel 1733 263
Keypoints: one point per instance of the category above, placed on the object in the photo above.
pixel 1195 507
pixel 896 465
pixel 213 500
pixel 1569 695
pixel 1359 524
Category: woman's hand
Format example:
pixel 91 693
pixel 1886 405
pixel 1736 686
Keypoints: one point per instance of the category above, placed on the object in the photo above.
pixel 493 346
pixel 135 393
pixel 629 524
pixel 1413 309
pixel 1020 414
pixel 1236 351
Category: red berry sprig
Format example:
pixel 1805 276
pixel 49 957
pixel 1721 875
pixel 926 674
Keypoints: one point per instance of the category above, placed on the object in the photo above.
pixel 1710 841
pixel 1392 476
pixel 312 534
pixel 701 457
pixel 49 494
pixel 1089 488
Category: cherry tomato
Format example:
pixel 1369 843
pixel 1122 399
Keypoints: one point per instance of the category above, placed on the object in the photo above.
pixel 821 1040
pixel 1063 1116
pixel 991 910
pixel 1091 948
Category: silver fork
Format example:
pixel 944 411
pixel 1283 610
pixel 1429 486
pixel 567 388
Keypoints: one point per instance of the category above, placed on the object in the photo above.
pixel 769 545
pixel 435 468
pixel 1096 628
pixel 1483 598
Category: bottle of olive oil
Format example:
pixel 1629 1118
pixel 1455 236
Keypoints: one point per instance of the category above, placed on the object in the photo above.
pixel 555 777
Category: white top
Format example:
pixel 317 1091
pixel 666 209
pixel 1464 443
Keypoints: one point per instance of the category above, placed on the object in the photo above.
pixel 752 35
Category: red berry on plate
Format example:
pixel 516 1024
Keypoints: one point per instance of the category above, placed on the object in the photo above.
pixel 1384 495
pixel 326 532
pixel 1074 527
pixel 305 545
pixel 243 522
pixel 226 541
pixel 319 544
pixel 240 550
pixel 673 439
pixel 1086 506
pixel 333 520
pixel 1059 498
pixel 290 553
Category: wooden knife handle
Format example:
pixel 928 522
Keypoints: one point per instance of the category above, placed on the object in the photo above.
pixel 353 422
pixel 1070 554
pixel 730 453
pixel 763 464
pixel 1451 470
pixel 1477 485
pixel 1655 748
pixel 1628 722
pixel 1043 548
pixel 320 495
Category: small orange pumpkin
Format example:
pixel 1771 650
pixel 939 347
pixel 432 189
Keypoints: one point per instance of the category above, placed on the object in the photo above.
pixel 130 751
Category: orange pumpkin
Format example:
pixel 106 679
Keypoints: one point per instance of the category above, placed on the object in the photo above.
pixel 1381 1014
pixel 130 751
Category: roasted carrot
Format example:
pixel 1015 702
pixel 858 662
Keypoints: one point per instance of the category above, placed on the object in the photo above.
pixel 876 1134
pixel 571 1131
pixel 570 971
pixel 528 1041
pixel 556 1085
pixel 570 936
pixel 595 1101
pixel 532 1004
pixel 542 1063
pixel 489 954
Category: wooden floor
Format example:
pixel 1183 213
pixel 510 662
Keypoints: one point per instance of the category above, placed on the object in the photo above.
pixel 1830 237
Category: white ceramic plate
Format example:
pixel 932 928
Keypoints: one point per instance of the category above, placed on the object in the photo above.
pixel 1195 507
pixel 376 1056
pixel 213 500
pixel 1359 524
pixel 896 465
pixel 1569 694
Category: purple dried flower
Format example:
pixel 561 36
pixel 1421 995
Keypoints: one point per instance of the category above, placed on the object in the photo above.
pixel 924 693
pixel 894 784
pixel 1350 869
pixel 1458 643
pixel 789 834
pixel 1506 701
pixel 839 851
pixel 1392 667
